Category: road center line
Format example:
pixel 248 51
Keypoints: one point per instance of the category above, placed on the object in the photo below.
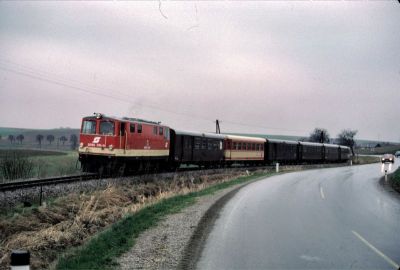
pixel 377 251
pixel 321 191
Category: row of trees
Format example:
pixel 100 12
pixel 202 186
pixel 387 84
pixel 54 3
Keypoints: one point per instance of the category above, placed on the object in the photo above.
pixel 345 137
pixel 13 138
pixel 50 138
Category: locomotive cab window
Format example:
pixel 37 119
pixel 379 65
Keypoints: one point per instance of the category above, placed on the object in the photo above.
pixel 166 134
pixel 155 130
pixel 89 127
pixel 139 128
pixel 132 128
pixel 160 131
pixel 107 128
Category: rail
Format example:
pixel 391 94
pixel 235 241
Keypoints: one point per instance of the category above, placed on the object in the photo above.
pixel 14 185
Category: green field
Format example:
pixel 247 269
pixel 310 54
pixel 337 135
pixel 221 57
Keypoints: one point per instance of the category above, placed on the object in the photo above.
pixel 44 163
pixel 391 149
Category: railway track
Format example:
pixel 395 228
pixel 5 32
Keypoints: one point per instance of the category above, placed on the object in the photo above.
pixel 12 186
pixel 15 185
pixel 46 181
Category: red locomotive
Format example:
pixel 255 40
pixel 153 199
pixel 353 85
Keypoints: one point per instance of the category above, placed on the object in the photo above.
pixel 112 144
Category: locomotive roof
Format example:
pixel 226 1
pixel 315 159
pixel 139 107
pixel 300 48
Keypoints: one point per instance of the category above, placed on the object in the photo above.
pixel 199 134
pixel 123 119
pixel 244 138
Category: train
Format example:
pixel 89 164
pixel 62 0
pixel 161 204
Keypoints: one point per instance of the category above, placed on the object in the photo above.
pixel 120 145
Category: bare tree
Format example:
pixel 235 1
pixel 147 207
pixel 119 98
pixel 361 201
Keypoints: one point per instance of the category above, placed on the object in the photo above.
pixel 346 137
pixel 74 141
pixel 20 138
pixel 50 138
pixel 39 139
pixel 63 139
pixel 320 135
pixel 11 138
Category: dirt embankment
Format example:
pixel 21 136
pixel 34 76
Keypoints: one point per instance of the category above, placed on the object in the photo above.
pixel 68 221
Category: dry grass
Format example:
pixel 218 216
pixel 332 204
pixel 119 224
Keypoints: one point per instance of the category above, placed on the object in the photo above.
pixel 68 221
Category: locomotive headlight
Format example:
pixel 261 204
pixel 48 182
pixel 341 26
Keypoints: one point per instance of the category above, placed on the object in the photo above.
pixel 111 147
pixel 81 145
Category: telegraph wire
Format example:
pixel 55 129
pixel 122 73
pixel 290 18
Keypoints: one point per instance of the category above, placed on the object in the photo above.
pixel 41 76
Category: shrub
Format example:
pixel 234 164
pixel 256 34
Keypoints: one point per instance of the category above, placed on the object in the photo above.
pixel 15 166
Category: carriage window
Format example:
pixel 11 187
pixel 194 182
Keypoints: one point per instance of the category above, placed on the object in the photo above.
pixel 187 144
pixel 197 143
pixel 215 145
pixel 248 146
pixel 261 147
pixel 132 128
pixel 155 130
pixel 239 146
pixel 204 144
pixel 107 128
pixel 139 128
pixel 235 146
pixel 160 130
pixel 89 127
pixel 209 145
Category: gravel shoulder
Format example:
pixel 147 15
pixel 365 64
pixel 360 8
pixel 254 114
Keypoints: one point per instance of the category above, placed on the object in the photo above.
pixel 164 246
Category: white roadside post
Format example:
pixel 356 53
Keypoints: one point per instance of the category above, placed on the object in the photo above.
pixel 277 167
pixel 20 260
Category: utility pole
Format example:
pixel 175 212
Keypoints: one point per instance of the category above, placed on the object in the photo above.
pixel 217 129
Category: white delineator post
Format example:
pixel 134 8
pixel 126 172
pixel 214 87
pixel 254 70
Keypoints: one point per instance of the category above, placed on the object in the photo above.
pixel 20 260
pixel 277 167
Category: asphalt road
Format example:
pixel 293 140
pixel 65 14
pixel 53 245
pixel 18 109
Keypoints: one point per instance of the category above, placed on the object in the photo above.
pixel 338 218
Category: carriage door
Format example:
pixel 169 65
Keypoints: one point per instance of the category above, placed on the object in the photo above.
pixel 122 136
pixel 187 148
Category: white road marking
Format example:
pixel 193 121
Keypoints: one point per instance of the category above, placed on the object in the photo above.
pixel 377 251
pixel 321 191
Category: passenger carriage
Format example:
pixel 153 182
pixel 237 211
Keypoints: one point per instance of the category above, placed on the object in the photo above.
pixel 244 149
pixel 281 151
pixel 331 153
pixel 311 152
pixel 204 149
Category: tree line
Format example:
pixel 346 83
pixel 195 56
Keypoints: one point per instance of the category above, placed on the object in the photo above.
pixel 50 138
pixel 345 137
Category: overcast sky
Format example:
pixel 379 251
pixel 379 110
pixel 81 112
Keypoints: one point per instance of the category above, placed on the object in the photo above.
pixel 271 67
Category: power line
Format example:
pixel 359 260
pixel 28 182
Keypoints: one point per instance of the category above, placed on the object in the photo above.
pixel 41 76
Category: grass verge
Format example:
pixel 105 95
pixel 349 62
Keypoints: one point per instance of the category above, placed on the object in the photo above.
pixel 360 160
pixel 102 250
pixel 395 180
